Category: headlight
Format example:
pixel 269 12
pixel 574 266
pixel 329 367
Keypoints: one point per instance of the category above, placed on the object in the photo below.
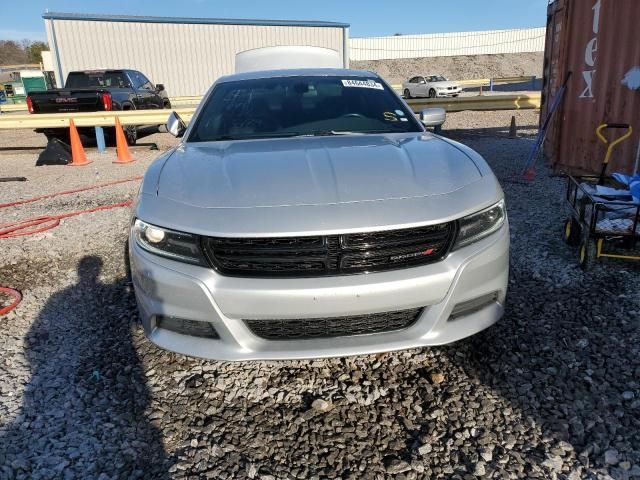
pixel 478 225
pixel 178 246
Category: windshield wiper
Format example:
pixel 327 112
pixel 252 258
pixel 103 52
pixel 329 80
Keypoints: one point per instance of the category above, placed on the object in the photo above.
pixel 255 136
pixel 389 131
pixel 328 133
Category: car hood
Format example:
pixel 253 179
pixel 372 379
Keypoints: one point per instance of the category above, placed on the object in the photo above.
pixel 445 84
pixel 309 171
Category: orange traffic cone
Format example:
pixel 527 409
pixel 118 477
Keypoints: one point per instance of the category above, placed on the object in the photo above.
pixel 78 157
pixel 122 147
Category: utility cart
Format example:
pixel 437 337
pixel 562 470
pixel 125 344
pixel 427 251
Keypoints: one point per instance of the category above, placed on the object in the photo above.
pixel 605 218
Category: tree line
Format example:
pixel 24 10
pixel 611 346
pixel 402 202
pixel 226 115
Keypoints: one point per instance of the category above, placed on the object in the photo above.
pixel 22 52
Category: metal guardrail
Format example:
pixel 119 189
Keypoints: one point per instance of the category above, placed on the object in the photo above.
pixel 189 100
pixel 13 107
pixel 180 101
pixel 195 99
pixel 92 119
pixel 521 79
pixel 22 107
pixel 158 117
pixel 487 102
pixel 484 82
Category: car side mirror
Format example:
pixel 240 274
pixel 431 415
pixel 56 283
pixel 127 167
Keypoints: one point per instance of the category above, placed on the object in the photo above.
pixel 175 125
pixel 159 87
pixel 433 117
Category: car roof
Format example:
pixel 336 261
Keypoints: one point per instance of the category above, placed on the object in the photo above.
pixel 299 72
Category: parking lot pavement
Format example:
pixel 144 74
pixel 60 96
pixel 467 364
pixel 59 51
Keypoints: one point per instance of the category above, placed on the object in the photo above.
pixel 551 391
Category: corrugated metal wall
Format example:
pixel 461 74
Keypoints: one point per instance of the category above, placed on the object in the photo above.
pixel 448 44
pixel 596 40
pixel 185 57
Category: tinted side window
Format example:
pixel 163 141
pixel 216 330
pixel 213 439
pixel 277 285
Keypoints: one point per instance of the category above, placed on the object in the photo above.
pixel 140 81
pixel 135 79
pixel 97 79
pixel 146 83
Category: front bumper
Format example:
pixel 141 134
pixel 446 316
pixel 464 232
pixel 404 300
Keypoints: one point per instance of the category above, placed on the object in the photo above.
pixel 168 288
pixel 448 93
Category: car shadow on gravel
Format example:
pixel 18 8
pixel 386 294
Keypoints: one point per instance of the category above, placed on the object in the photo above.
pixel 83 411
pixel 566 357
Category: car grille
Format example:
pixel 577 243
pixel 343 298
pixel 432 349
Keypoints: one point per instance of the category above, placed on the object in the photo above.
pixel 310 328
pixel 329 255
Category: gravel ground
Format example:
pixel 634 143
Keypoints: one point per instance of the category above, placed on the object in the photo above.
pixel 461 67
pixel 551 391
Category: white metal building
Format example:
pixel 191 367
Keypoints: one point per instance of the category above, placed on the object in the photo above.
pixel 448 44
pixel 184 54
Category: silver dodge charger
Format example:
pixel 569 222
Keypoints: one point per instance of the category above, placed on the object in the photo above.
pixel 308 213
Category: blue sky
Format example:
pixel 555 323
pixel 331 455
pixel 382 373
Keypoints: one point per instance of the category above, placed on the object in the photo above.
pixel 367 18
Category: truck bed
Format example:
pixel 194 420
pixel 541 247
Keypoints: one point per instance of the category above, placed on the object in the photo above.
pixel 68 100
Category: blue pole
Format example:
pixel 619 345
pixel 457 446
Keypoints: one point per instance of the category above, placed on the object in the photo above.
pixel 533 82
pixel 491 84
pixel 100 139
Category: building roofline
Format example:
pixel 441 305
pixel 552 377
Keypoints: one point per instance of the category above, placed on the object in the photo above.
pixel 189 20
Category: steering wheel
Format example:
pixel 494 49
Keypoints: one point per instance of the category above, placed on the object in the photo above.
pixel 262 122
pixel 353 115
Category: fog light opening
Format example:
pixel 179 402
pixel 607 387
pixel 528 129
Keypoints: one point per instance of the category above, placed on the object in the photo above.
pixel 192 328
pixel 472 306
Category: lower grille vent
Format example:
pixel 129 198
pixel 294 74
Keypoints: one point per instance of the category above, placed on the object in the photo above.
pixel 309 328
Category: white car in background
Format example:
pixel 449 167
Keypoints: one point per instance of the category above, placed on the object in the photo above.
pixel 431 86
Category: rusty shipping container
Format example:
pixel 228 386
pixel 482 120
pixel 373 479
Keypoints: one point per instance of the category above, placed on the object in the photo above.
pixel 599 42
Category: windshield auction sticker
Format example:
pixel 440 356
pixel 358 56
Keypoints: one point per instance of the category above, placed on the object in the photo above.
pixel 362 84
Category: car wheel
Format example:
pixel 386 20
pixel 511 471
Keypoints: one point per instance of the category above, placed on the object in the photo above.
pixel 167 104
pixel 587 253
pixel 127 261
pixel 572 232
pixel 131 132
pixel 432 93
pixel 407 93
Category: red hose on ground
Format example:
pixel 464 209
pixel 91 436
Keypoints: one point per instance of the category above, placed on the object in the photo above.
pixel 34 225
pixel 67 192
pixel 17 297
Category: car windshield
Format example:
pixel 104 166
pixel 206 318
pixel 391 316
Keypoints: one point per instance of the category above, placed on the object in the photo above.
pixel 437 78
pixel 301 106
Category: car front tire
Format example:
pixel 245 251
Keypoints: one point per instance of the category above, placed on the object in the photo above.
pixel 131 132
